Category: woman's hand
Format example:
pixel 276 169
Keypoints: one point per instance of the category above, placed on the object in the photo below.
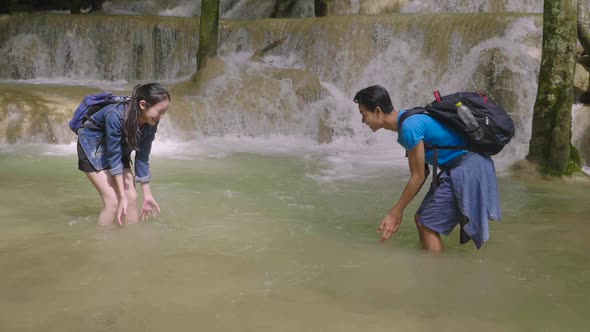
pixel 122 210
pixel 149 206
pixel 390 225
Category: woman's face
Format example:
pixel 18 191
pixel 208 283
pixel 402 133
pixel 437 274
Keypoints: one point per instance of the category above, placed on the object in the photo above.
pixel 151 115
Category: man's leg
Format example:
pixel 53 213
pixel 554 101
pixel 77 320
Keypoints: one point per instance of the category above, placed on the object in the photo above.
pixel 438 214
pixel 430 239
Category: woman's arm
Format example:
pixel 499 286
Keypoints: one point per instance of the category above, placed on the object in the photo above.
pixel 149 206
pixel 122 207
pixel 114 144
pixel 143 174
pixel 142 155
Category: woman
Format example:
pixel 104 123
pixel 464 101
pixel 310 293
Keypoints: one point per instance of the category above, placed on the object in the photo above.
pixel 105 143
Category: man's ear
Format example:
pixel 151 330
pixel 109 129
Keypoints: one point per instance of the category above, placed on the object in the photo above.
pixel 378 111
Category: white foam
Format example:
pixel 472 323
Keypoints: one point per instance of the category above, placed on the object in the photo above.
pixel 98 84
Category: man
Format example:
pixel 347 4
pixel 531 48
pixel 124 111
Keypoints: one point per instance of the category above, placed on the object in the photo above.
pixel 467 191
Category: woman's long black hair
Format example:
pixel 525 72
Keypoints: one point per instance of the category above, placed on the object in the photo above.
pixel 152 93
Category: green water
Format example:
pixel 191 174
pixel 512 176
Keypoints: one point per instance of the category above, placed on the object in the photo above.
pixel 254 242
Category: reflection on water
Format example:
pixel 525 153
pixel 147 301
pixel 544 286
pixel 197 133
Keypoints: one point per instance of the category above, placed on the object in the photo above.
pixel 268 242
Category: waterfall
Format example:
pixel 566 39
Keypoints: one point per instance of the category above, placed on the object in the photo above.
pixel 472 6
pixel 256 9
pixel 229 9
pixel 97 47
pixel 301 88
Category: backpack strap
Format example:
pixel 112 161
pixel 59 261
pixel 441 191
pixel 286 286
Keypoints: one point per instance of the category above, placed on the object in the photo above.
pixel 420 110
pixel 408 113
pixel 92 110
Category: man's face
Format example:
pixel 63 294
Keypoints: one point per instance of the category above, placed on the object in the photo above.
pixel 371 119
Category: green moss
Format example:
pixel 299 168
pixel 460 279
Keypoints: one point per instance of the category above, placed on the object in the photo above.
pixel 574 165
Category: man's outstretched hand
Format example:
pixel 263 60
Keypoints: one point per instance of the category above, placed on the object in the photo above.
pixel 389 225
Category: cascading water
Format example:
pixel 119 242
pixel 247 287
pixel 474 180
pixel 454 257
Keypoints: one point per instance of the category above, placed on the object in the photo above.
pixel 472 6
pixel 303 87
pixel 255 9
pixel 282 96
pixel 97 48
pixel 229 9
pixel 270 187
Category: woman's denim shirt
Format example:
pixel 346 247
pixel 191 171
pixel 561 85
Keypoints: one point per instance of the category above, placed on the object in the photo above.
pixel 103 141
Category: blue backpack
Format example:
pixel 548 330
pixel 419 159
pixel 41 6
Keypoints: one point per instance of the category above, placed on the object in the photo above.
pixel 92 104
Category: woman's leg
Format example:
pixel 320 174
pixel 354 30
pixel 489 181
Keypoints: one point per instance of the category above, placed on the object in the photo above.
pixel 131 193
pixel 105 185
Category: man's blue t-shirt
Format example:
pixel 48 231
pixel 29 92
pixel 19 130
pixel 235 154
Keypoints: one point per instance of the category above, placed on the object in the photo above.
pixel 423 127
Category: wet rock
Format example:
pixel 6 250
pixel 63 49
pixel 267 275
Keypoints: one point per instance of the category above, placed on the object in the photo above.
pixel 307 86
pixel 36 114
pixel 325 132
pixel 525 168
pixel 581 83
pixel 347 7
pixel 250 98
pixel 581 132
pixel 381 6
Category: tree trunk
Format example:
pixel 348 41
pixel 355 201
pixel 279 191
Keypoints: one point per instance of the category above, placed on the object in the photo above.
pixel 96 5
pixel 208 28
pixel 551 133
pixel 283 8
pixel 75 6
pixel 584 26
pixel 321 8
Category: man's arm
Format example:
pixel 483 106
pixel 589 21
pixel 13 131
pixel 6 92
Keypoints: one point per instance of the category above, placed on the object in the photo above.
pixel 392 221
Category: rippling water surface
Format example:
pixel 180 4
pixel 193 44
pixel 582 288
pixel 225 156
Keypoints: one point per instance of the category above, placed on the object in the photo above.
pixel 267 238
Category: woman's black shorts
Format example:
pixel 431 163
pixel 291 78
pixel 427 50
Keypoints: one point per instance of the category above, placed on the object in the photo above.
pixel 85 166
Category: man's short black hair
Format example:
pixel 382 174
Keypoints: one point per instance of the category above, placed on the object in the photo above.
pixel 374 96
